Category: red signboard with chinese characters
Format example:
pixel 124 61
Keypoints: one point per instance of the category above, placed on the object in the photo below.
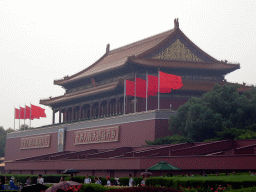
pixel 100 135
pixel 35 142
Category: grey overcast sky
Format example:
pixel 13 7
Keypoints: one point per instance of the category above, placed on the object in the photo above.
pixel 45 40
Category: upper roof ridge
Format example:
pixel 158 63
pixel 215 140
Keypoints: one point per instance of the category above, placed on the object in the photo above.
pixel 150 38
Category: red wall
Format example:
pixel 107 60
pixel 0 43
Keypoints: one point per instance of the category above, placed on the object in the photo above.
pixel 13 151
pixel 128 164
pixel 131 135
pixel 205 162
pixel 164 103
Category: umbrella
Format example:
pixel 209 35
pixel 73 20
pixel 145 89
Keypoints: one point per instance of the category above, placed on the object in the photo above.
pixel 162 166
pixel 146 173
pixel 70 171
pixel 65 185
pixel 34 188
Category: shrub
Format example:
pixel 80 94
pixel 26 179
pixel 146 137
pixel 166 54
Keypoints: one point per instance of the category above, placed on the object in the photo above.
pixel 93 188
pixel 236 182
pixel 144 189
pixel 47 178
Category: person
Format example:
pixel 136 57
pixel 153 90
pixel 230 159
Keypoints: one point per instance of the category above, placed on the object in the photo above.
pixel 96 180
pixel 12 184
pixel 108 181
pixel 28 181
pixel 40 179
pixel 87 180
pixel 2 187
pixel 71 177
pixel 61 179
pixel 116 181
pixel 143 182
pixel 131 182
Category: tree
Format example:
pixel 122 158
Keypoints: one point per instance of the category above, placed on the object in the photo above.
pixel 223 107
pixel 2 141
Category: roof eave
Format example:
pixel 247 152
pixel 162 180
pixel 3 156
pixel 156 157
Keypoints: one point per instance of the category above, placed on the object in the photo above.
pixel 67 79
pixel 53 101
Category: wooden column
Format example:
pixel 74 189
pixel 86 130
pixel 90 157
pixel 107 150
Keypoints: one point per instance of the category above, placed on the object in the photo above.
pixel 126 104
pixel 91 110
pixel 60 116
pixel 65 115
pixel 99 109
pixel 72 113
pixel 53 116
pixel 117 102
pixel 80 112
pixel 107 107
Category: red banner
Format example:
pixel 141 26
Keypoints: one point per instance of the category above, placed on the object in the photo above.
pixel 130 86
pixel 17 113
pixel 141 88
pixel 37 112
pixel 152 85
pixel 22 112
pixel 169 82
pixel 27 112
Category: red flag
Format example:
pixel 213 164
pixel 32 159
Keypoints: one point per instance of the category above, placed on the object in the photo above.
pixel 152 85
pixel 168 82
pixel 37 112
pixel 22 112
pixel 141 88
pixel 28 112
pixel 17 113
pixel 177 82
pixel 130 85
pixel 42 112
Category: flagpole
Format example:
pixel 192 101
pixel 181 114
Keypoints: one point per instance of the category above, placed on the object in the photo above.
pixel 135 95
pixel 19 117
pixel 30 115
pixel 24 116
pixel 147 91
pixel 14 118
pixel 158 88
pixel 124 93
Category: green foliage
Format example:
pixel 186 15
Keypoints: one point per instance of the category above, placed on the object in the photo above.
pixel 169 140
pixel 248 134
pixel 250 189
pixel 93 188
pixel 22 178
pixel 3 134
pixel 144 189
pixel 2 141
pixel 236 181
pixel 124 181
pixel 9 190
pixel 229 133
pixel 215 113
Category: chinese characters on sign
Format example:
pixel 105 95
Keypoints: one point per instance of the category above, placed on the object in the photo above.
pixel 35 142
pixel 108 134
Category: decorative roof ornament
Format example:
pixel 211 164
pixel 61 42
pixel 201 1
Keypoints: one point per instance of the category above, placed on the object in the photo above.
pixel 176 23
pixel 107 48
pixel 93 82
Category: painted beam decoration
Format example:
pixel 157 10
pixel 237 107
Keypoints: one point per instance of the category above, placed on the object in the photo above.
pixel 36 142
pixel 100 135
